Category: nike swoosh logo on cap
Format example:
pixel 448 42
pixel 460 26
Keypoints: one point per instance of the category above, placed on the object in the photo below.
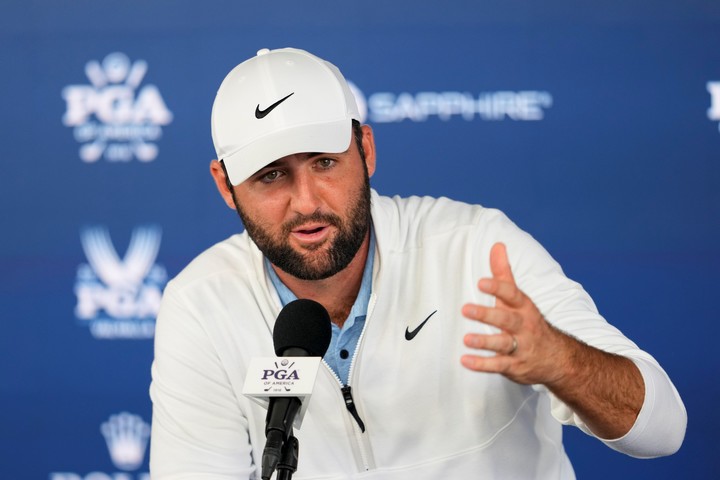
pixel 410 335
pixel 263 113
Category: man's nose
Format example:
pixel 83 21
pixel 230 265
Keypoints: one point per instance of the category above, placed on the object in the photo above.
pixel 305 199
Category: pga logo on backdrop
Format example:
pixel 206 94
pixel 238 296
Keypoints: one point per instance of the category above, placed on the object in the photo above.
pixel 126 436
pixel 115 117
pixel 120 298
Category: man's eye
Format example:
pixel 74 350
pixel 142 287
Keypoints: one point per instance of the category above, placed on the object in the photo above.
pixel 270 176
pixel 325 162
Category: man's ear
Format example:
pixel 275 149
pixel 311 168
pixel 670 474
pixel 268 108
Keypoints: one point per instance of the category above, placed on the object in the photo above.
pixel 368 143
pixel 218 174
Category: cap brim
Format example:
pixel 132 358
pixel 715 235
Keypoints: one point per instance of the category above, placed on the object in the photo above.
pixel 330 137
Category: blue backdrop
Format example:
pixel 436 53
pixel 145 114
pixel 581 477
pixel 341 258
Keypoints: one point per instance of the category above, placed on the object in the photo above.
pixel 595 127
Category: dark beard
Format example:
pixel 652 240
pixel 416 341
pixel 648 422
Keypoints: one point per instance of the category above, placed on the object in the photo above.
pixel 338 256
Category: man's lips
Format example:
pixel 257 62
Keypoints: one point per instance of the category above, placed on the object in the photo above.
pixel 311 232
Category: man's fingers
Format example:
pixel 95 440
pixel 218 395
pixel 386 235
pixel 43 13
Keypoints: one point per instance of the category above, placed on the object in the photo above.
pixel 506 291
pixel 506 320
pixel 500 264
pixel 497 364
pixel 501 343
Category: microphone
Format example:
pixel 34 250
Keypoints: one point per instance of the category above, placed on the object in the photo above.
pixel 302 329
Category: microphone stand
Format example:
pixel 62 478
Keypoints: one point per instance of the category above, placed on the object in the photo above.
pixel 281 446
pixel 289 458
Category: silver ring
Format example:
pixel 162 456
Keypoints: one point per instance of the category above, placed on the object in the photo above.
pixel 514 346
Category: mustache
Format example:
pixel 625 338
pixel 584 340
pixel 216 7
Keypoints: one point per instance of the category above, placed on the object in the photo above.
pixel 320 217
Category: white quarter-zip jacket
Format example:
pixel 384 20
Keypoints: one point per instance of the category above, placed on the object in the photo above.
pixel 425 416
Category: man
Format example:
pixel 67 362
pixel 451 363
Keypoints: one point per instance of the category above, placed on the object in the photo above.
pixel 416 289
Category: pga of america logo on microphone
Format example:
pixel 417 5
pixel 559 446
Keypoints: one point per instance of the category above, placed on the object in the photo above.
pixel 273 376
pixel 269 377
pixel 115 117
pixel 284 374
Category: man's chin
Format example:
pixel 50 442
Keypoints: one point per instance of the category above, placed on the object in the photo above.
pixel 308 265
pixel 312 248
pixel 315 271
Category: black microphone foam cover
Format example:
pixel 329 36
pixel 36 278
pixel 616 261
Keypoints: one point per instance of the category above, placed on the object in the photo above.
pixel 303 324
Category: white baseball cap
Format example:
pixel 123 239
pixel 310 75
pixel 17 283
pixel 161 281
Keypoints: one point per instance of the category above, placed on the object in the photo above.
pixel 279 103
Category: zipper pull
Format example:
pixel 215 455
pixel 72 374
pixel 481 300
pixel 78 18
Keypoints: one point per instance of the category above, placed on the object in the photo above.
pixel 350 404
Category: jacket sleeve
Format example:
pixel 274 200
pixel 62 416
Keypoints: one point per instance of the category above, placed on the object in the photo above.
pixel 198 429
pixel 660 426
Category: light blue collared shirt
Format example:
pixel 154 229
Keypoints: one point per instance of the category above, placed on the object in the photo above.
pixel 344 340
